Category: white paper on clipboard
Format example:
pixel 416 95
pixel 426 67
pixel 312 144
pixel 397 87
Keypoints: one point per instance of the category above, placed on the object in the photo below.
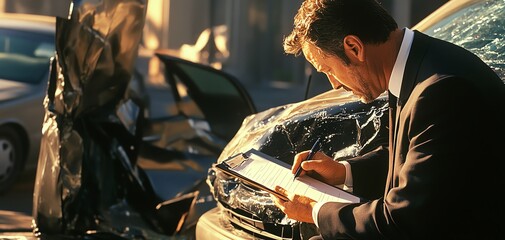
pixel 266 172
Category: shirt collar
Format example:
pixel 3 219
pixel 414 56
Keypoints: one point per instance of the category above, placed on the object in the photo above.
pixel 395 81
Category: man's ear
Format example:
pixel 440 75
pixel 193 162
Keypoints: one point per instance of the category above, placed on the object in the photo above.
pixel 354 48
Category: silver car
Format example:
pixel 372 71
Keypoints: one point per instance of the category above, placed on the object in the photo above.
pixel 26 46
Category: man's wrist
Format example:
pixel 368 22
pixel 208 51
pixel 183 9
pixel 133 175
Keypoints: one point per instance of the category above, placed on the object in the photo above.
pixel 315 211
pixel 348 174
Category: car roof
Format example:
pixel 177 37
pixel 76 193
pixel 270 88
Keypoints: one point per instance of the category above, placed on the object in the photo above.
pixel 445 10
pixel 455 22
pixel 28 22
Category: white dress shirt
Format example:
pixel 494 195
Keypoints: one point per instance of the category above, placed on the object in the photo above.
pixel 395 84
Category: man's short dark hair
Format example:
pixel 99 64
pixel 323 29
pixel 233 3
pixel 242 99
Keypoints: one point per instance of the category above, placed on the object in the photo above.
pixel 325 23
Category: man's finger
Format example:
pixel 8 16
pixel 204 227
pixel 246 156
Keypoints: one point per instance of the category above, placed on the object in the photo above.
pixel 281 190
pixel 311 165
pixel 279 202
pixel 297 160
pixel 288 196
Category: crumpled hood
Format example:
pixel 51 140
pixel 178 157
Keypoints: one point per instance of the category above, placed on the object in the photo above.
pixel 347 127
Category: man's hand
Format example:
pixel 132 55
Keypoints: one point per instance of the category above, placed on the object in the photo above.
pixel 298 207
pixel 322 167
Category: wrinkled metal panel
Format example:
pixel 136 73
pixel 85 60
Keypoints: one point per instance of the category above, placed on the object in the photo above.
pixel 88 181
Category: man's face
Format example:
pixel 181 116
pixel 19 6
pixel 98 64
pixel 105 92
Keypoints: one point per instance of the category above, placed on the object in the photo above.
pixel 340 74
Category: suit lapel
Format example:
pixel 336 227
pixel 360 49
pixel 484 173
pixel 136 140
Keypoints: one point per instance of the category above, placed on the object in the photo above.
pixel 412 67
pixel 410 78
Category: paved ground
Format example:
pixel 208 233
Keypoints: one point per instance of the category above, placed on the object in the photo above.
pixel 16 209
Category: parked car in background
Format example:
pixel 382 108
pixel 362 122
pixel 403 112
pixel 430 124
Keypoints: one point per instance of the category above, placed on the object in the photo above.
pixel 26 46
pixel 349 127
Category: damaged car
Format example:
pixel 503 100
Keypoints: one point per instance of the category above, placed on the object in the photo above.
pixel 119 159
pixel 348 128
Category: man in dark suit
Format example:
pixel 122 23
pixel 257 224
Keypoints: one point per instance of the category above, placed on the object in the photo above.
pixel 442 175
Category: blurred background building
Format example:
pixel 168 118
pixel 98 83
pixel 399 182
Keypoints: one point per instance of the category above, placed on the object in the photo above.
pixel 242 37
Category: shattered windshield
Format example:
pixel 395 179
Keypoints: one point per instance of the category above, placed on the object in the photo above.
pixel 479 28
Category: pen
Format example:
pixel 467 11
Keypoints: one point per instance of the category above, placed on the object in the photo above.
pixel 312 151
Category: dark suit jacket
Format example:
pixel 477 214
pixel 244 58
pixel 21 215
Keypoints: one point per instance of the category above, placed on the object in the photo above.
pixel 446 163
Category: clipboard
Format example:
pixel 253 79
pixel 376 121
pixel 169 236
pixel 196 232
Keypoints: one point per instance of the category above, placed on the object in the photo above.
pixel 265 172
pixel 228 166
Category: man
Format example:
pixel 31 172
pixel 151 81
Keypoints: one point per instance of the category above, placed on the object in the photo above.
pixel 442 175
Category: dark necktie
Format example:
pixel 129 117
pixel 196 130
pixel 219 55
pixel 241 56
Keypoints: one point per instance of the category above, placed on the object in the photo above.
pixel 392 104
pixel 392 118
